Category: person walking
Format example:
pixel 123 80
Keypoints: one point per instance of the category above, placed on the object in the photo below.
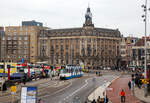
pixel 40 101
pixel 106 99
pixel 94 101
pixel 129 85
pixel 122 94
pixel 98 99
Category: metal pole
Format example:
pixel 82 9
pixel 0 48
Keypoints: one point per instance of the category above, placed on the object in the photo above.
pixel 145 69
pixel 145 38
pixel 4 56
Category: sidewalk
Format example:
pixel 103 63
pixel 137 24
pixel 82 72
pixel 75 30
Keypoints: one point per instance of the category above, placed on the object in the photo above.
pixel 113 91
pixel 139 93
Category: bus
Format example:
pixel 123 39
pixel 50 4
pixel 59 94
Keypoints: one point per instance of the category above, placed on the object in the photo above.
pixel 71 72
pixel 13 67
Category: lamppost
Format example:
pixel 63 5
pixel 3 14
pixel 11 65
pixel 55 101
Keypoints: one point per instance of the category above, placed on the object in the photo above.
pixel 145 9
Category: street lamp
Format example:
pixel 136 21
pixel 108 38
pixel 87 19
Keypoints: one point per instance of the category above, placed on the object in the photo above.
pixel 145 9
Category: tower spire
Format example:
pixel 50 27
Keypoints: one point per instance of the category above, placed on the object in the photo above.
pixel 88 17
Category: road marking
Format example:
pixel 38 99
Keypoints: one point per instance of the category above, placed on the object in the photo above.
pixel 76 90
pixel 57 91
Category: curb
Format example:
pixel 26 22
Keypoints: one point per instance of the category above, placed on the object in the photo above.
pixel 139 99
pixel 106 88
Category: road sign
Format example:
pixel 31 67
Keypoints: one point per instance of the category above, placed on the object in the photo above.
pixel 109 89
pixel 28 94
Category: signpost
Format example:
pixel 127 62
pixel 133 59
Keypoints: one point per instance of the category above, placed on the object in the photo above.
pixel 28 94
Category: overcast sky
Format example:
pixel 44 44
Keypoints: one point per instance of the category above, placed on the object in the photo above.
pixel 122 14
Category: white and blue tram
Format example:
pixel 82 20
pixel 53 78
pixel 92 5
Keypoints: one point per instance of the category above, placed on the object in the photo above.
pixel 71 72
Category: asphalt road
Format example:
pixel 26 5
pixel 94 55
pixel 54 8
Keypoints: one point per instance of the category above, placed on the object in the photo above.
pixel 77 90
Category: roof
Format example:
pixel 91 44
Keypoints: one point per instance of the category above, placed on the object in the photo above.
pixel 81 31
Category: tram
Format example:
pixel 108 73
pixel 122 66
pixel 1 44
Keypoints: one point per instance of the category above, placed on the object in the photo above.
pixel 71 72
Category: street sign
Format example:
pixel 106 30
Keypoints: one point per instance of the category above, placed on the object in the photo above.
pixel 13 89
pixel 109 89
pixel 28 94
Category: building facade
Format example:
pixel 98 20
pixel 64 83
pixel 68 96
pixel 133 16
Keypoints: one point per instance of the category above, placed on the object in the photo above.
pixel 2 33
pixel 138 52
pixel 86 45
pixel 20 42
pixel 126 50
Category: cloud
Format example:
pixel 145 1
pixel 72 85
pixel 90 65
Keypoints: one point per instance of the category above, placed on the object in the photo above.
pixel 122 14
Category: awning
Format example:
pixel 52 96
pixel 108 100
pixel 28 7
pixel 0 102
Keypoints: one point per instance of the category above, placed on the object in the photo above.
pixel 3 74
pixel 17 75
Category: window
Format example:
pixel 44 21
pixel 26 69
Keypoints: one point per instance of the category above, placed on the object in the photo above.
pixel 20 38
pixel 101 41
pixel 25 42
pixel 89 39
pixel 56 46
pixel 20 28
pixel 14 38
pixel 67 46
pixel 9 42
pixel 3 38
pixel 25 38
pixel 20 42
pixel 26 28
pixel 25 51
pixel 9 38
pixel 25 47
pixel 15 29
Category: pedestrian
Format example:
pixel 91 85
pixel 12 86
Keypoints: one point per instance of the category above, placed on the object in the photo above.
pixel 96 73
pixel 4 86
pixel 40 101
pixel 98 99
pixel 99 73
pixel 129 85
pixel 24 79
pixel 122 94
pixel 93 101
pixel 106 99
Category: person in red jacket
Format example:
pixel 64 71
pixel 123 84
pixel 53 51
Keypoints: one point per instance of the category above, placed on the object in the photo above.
pixel 122 94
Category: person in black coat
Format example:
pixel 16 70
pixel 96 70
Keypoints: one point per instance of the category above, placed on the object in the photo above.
pixel 4 87
pixel 94 101
pixel 129 85
pixel 24 79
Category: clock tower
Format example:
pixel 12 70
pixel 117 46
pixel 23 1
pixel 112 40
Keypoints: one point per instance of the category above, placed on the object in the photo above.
pixel 88 18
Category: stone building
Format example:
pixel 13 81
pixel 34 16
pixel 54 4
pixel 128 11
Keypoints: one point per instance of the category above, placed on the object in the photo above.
pixel 86 45
pixel 126 50
pixel 138 52
pixel 2 33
